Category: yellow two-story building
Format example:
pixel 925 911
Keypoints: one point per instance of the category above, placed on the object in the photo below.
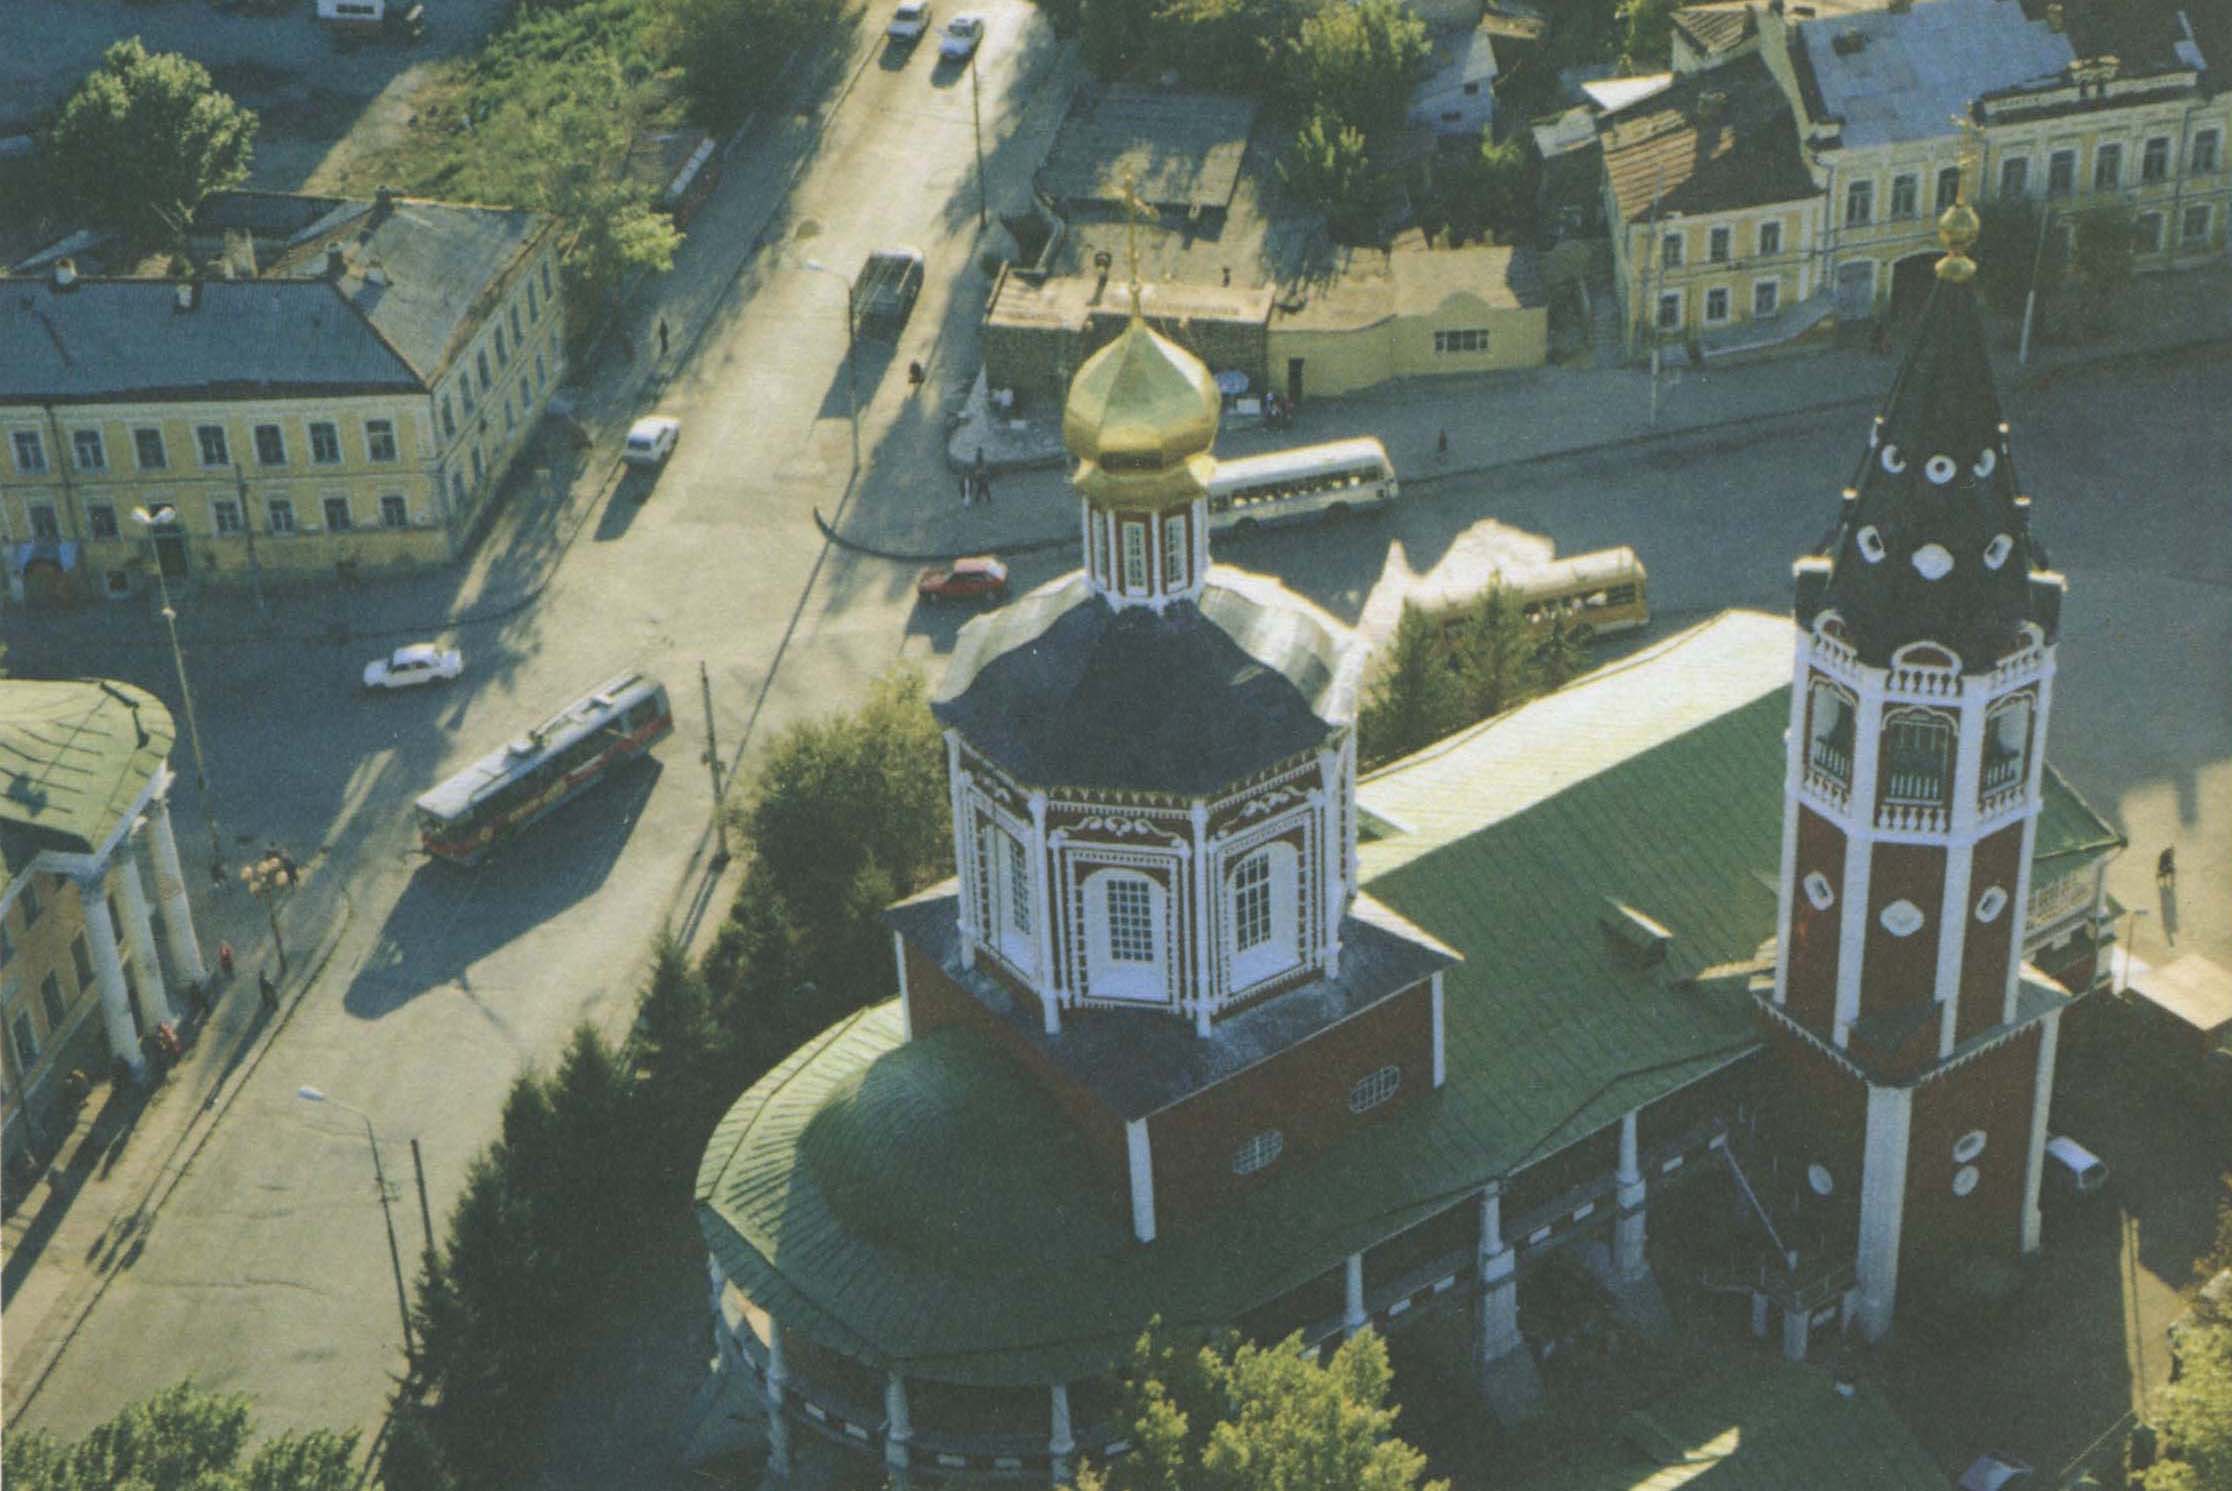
pixel 1713 212
pixel 350 409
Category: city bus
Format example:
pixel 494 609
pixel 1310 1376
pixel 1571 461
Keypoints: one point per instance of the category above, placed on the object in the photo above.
pixel 573 750
pixel 1596 593
pixel 1290 484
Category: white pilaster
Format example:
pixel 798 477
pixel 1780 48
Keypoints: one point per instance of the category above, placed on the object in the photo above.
pixel 1499 1291
pixel 1882 1206
pixel 2034 1154
pixel 906 998
pixel 1347 806
pixel 1353 1317
pixel 1628 1228
pixel 139 932
pixel 1441 1056
pixel 1202 944
pixel 898 1428
pixel 1333 892
pixel 1140 1154
pixel 778 1426
pixel 1796 1329
pixel 1794 765
pixel 1060 1442
pixel 2018 926
pixel 170 889
pixel 1960 860
pixel 1852 906
pixel 108 975
pixel 964 848
pixel 1042 901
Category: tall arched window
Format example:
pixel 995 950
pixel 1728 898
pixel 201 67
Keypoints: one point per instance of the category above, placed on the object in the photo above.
pixel 2007 732
pixel 1009 914
pixel 1125 937
pixel 1829 747
pixel 1261 914
pixel 1917 758
pixel 1174 552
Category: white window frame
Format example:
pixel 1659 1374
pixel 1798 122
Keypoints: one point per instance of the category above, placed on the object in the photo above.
pixel 1010 917
pixel 1913 186
pixel 2105 153
pixel 224 445
pixel 348 512
pixel 1670 250
pixel 394 502
pixel 1770 238
pixel 1859 203
pixel 139 448
pixel 218 506
pixel 2054 158
pixel 1258 1152
pixel 1374 1089
pixel 28 441
pixel 1175 566
pixel 2144 240
pixel 280 516
pixel 1769 291
pixel 256 440
pixel 1717 294
pixel 2207 154
pixel 332 428
pixel 1280 888
pixel 374 430
pixel 1126 980
pixel 2153 146
pixel 83 442
pixel 2019 166
pixel 1133 537
pixel 1720 244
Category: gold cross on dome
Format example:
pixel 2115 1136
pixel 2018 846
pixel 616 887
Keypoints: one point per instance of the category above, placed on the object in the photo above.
pixel 1972 152
pixel 1134 211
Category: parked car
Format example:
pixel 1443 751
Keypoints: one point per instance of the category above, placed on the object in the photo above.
pixel 421 662
pixel 962 34
pixel 979 578
pixel 651 440
pixel 2076 1170
pixel 909 21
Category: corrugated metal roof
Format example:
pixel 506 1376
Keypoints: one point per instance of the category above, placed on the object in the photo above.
pixel 74 757
pixel 1711 142
pixel 1904 75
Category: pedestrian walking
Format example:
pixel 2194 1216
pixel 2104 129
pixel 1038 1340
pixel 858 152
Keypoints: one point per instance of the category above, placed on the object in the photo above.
pixel 267 990
pixel 662 336
pixel 2166 867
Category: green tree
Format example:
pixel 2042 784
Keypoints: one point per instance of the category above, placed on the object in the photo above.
pixel 1223 44
pixel 144 139
pixel 181 1439
pixel 1326 167
pixel 1415 700
pixel 560 143
pixel 1646 34
pixel 1561 652
pixel 731 52
pixel 683 1075
pixel 2101 261
pixel 1357 63
pixel 2194 1414
pixel 1232 1417
pixel 1117 36
pixel 1495 652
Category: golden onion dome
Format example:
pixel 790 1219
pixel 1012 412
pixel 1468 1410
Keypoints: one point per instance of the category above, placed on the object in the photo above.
pixel 1141 418
pixel 1958 230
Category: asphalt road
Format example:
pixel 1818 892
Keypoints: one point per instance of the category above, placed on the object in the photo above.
pixel 267 1271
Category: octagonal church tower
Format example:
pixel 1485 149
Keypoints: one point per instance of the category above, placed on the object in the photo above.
pixel 1919 1047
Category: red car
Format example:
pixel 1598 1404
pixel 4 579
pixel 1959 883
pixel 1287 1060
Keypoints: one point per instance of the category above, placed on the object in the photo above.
pixel 980 578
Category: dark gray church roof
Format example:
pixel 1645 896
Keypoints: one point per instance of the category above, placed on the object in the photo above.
pixel 1061 689
pixel 1934 540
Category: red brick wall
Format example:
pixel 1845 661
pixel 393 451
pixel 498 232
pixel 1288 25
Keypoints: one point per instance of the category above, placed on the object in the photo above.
pixel 1991 1093
pixel 1819 1112
pixel 1303 1092
pixel 935 1001
pixel 1984 955
pixel 1900 970
pixel 1811 990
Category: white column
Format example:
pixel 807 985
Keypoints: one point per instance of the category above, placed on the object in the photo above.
pixel 139 934
pixel 1441 1057
pixel 964 848
pixel 1335 893
pixel 1204 945
pixel 1794 765
pixel 1060 1442
pixel 1042 908
pixel 108 975
pixel 1796 1328
pixel 1628 1229
pixel 906 998
pixel 778 1427
pixel 170 888
pixel 1762 1307
pixel 1141 1157
pixel 2034 1159
pixel 2019 927
pixel 1353 1317
pixel 1499 1285
pixel 1852 921
pixel 1960 858
pixel 1882 1206
pixel 898 1431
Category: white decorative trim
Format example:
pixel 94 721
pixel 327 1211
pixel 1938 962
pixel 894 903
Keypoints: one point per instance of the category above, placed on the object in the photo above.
pixel 1354 1318
pixel 2034 1155
pixel 1116 827
pixel 1140 1160
pixel 1199 944
pixel 906 999
pixel 1794 763
pixel 1441 1059
pixel 1882 1206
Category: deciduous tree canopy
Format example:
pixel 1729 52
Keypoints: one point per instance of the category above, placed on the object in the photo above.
pixel 143 140
pixel 180 1440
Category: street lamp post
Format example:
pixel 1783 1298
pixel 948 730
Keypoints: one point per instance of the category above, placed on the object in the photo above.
pixel 265 878
pixel 852 389
pixel 151 520
pixel 311 1094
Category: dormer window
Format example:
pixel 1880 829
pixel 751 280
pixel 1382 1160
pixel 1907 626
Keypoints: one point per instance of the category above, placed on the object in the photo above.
pixel 2006 745
pixel 1917 760
pixel 1829 748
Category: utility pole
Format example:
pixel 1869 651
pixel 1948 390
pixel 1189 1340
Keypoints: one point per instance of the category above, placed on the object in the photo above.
pixel 2030 298
pixel 248 527
pixel 426 1213
pixel 713 766
pixel 976 126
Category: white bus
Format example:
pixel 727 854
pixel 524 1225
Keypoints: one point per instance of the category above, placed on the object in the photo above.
pixel 1606 591
pixel 1290 484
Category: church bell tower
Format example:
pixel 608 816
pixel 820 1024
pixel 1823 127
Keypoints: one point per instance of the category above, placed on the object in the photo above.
pixel 1919 1050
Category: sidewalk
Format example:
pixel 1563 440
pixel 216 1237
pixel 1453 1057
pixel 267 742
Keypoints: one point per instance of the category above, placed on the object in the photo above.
pixel 1497 421
pixel 87 1218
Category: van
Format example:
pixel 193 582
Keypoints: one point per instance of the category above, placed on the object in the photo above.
pixel 2076 1169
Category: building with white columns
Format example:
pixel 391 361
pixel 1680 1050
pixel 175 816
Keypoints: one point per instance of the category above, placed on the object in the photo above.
pixel 1208 1028
pixel 92 870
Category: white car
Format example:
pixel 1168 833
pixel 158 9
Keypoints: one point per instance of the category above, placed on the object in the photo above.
pixel 421 662
pixel 651 440
pixel 909 21
pixel 962 34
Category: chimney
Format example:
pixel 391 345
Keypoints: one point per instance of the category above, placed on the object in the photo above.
pixel 65 274
pixel 337 261
pixel 187 294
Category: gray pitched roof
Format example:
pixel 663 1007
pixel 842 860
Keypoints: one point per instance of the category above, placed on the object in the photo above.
pixel 1063 690
pixel 102 339
pixel 417 270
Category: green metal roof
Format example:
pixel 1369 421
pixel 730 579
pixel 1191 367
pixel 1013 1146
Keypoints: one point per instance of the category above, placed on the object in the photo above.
pixel 926 1204
pixel 1763 1426
pixel 74 758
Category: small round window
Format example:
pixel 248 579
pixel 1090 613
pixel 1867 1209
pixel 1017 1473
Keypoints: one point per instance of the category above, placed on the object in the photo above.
pixel 1965 1179
pixel 1819 1178
pixel 1819 892
pixel 1990 904
pixel 1375 1089
pixel 1968 1146
pixel 1901 918
pixel 1871 544
pixel 1258 1152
